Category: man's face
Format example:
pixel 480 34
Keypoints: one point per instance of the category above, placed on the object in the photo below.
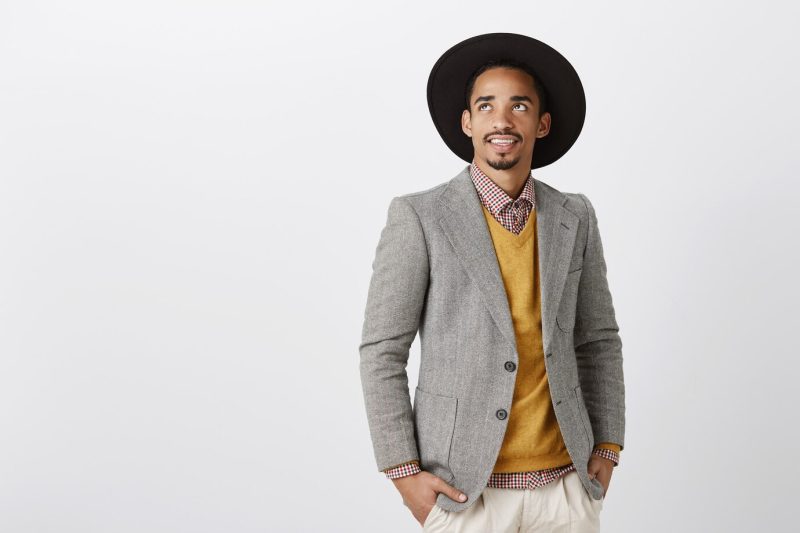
pixel 504 107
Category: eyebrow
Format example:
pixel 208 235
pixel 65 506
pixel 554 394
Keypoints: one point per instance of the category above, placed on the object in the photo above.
pixel 513 99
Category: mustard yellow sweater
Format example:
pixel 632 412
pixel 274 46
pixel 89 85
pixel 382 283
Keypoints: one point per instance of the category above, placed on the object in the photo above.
pixel 533 439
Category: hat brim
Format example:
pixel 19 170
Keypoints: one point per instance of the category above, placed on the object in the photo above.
pixel 566 100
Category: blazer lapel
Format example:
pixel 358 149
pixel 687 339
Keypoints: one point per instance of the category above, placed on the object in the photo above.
pixel 463 222
pixel 556 228
pixel 464 225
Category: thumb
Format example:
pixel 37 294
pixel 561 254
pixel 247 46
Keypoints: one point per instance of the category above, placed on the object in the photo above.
pixel 452 492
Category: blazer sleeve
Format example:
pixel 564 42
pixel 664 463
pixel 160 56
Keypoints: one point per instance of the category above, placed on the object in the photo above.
pixel 598 347
pixel 397 291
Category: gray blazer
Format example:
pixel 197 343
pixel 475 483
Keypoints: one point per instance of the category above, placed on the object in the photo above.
pixel 436 272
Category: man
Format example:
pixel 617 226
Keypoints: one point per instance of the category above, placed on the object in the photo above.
pixel 519 413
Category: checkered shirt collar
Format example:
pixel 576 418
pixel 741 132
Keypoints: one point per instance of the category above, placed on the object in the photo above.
pixel 493 197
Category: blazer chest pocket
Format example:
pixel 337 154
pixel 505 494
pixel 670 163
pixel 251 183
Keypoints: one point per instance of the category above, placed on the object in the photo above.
pixel 434 421
pixel 565 318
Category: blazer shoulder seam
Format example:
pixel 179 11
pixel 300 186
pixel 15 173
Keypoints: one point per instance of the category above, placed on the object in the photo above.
pixel 426 191
pixel 404 197
pixel 588 219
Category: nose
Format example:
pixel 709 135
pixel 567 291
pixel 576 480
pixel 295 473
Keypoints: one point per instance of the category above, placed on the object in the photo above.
pixel 501 120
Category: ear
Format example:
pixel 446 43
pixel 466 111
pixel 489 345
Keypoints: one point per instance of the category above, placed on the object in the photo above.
pixel 466 125
pixel 544 125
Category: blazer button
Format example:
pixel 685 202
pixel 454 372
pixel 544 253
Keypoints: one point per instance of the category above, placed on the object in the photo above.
pixel 501 414
pixel 510 366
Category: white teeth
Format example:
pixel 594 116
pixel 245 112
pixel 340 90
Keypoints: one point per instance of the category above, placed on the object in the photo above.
pixel 502 141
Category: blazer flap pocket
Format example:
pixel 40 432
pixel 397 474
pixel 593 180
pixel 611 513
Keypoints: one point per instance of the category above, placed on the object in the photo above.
pixel 584 414
pixel 434 421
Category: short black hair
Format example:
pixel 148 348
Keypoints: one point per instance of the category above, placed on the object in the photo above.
pixel 511 64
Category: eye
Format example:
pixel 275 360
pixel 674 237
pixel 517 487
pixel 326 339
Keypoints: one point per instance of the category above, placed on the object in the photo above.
pixel 480 107
pixel 523 105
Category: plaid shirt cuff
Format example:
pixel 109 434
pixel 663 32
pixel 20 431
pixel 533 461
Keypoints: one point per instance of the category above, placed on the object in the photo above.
pixel 608 454
pixel 407 469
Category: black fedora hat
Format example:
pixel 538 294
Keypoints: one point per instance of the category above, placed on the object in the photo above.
pixel 564 94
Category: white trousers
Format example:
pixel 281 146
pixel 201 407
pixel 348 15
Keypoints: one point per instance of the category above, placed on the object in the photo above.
pixel 561 506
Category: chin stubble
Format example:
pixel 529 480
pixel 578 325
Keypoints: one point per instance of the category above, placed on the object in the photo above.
pixel 503 164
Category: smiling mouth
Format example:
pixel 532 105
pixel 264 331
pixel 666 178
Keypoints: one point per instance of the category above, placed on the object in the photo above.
pixel 503 144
